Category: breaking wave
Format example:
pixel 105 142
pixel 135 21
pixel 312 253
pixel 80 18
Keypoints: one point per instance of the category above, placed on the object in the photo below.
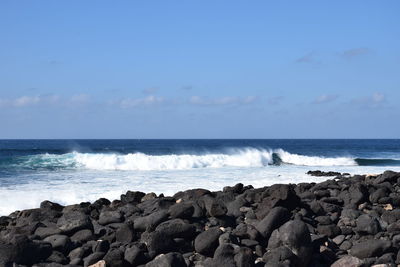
pixel 249 157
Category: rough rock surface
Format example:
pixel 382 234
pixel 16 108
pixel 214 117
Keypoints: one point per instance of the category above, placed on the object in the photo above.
pixel 343 221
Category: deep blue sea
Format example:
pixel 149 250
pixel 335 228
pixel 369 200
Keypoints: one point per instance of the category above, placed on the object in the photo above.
pixel 72 171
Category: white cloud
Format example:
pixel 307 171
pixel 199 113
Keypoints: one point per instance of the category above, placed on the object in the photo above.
pixel 227 100
pixel 323 99
pixel 43 100
pixel 80 98
pixel 22 101
pixel 135 102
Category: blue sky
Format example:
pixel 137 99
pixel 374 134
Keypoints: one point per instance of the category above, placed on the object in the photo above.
pixel 199 69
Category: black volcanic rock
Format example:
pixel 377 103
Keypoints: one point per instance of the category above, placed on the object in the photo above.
pixel 345 221
pixel 206 242
pixel 73 221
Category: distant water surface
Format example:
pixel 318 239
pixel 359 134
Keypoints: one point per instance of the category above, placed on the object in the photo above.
pixel 72 171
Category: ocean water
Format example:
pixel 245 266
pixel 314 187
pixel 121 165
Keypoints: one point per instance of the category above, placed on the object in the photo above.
pixel 72 171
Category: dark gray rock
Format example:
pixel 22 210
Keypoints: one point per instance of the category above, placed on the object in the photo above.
pixel 278 255
pixel 79 253
pixel 114 258
pixel 177 228
pixel 282 195
pixel 150 221
pixel 59 242
pixel 82 236
pixel 134 255
pixel 206 242
pixel 387 176
pixel 158 243
pixel 244 257
pixel 57 257
pixel 93 258
pixel 370 248
pixel 110 216
pixel 391 216
pixel 21 250
pixel 73 221
pixel 101 246
pixel 125 233
pixel 224 256
pixel 183 210
pixel 274 219
pixel 295 236
pixel 172 259
pixel 348 261
pixel 367 224
pixel 44 232
pixel 132 197
pixel 214 207
pixel 330 230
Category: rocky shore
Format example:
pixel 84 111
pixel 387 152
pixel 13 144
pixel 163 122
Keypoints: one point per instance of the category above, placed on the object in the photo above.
pixel 344 221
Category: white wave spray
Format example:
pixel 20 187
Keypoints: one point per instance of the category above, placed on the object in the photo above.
pixel 302 160
pixel 139 161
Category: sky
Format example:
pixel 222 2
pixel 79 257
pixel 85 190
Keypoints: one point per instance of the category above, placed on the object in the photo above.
pixel 199 69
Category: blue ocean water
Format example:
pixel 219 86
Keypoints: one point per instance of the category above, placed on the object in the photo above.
pixel 71 171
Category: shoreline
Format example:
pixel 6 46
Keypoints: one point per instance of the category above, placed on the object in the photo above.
pixel 343 221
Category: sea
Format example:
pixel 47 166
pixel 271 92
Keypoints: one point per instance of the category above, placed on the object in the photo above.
pixel 74 171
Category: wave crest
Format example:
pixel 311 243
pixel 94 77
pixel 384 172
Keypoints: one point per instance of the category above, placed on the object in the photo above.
pixel 296 159
pixel 140 161
pixel 249 157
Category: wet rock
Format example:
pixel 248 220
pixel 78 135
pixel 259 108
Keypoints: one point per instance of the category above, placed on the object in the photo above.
pixel 319 173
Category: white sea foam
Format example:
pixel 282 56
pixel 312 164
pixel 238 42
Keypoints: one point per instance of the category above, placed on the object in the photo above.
pixel 250 157
pixel 139 161
pixel 302 160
